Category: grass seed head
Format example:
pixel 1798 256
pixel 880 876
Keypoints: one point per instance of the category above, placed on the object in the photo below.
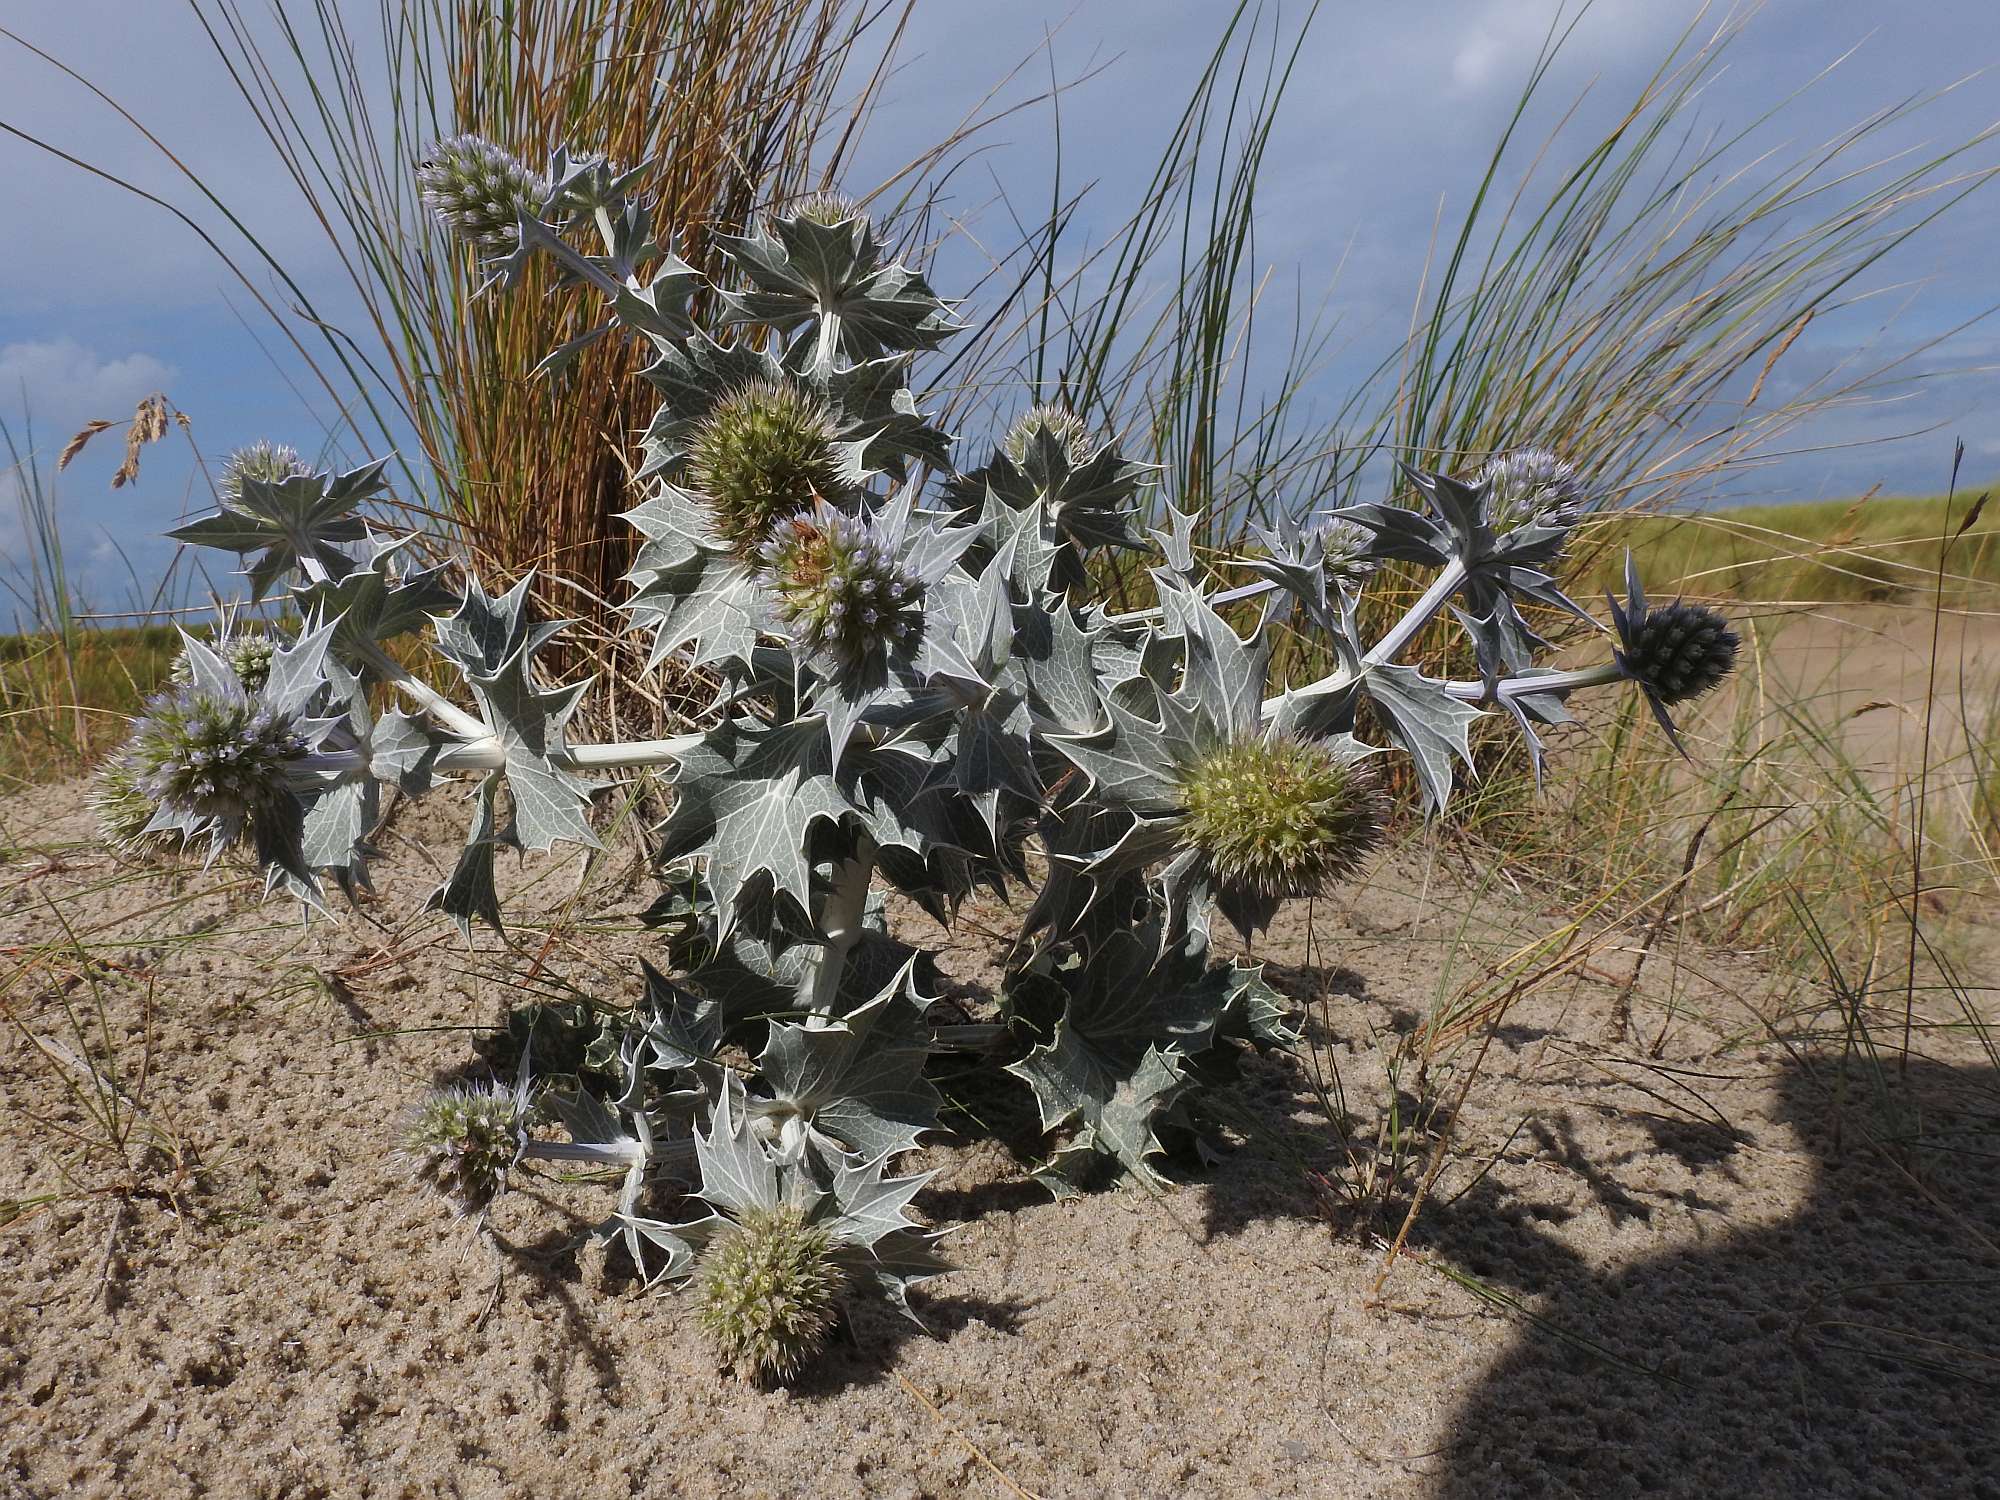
pixel 767 1292
pixel 1281 817
pixel 764 455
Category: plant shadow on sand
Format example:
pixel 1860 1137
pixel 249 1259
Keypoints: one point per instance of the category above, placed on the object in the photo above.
pixel 1847 1349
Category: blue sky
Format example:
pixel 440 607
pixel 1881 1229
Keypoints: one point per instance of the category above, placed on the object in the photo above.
pixel 105 298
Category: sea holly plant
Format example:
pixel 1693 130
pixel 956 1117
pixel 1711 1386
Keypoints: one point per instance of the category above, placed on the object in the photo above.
pixel 918 695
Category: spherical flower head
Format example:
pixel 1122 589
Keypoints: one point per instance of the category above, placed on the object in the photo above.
pixel 463 1142
pixel 1532 487
pixel 767 1291
pixel 839 588
pixel 829 210
pixel 480 192
pixel 213 758
pixel 1680 651
pixel 1071 433
pixel 1346 554
pixel 123 811
pixel 262 462
pixel 1277 818
pixel 763 455
pixel 249 657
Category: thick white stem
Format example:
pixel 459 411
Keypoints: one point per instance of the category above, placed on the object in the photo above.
pixel 1227 596
pixel 447 713
pixel 1400 635
pixel 842 911
pixel 1547 682
pixel 613 1154
pixel 487 753
pixel 1419 615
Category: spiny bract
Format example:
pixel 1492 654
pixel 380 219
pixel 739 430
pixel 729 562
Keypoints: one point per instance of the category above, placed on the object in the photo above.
pixel 480 192
pixel 1071 432
pixel 261 462
pixel 464 1140
pixel 214 757
pixel 1279 817
pixel 1680 651
pixel 768 1292
pixel 762 456
pixel 839 588
pixel 249 657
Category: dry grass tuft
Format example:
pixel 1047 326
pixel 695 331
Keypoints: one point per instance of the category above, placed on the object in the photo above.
pixel 727 105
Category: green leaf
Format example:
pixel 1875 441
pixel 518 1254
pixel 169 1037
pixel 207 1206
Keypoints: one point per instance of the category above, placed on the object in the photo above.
pixel 857 1084
pixel 1116 1069
pixel 468 892
pixel 297 523
pixel 748 800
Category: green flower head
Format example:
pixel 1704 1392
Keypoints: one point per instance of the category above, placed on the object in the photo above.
pixel 1071 434
pixel 829 210
pixel 1532 487
pixel 767 1292
pixel 463 1142
pixel 260 462
pixel 764 455
pixel 1277 818
pixel 249 657
pixel 480 192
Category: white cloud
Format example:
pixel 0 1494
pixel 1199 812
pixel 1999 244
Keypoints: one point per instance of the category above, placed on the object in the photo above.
pixel 59 381
pixel 1499 42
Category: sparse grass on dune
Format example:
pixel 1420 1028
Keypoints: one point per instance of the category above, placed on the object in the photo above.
pixel 63 702
pixel 1779 838
pixel 1875 548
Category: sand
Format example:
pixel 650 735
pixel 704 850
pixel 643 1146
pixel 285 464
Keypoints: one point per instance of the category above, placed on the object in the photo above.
pixel 1735 1266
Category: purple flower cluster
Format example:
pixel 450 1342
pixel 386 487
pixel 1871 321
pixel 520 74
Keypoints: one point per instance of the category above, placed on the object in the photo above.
pixel 208 761
pixel 840 588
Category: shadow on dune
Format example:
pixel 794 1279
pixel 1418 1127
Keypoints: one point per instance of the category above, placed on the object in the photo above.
pixel 1851 1348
